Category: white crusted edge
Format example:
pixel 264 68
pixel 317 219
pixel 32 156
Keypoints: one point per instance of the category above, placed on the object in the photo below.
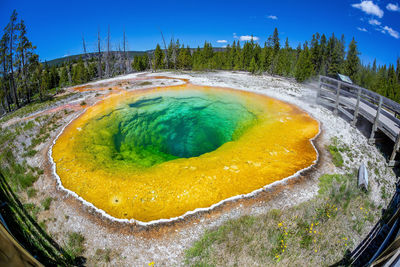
pixel 253 193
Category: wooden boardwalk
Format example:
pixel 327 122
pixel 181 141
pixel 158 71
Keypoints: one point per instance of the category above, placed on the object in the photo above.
pixel 354 101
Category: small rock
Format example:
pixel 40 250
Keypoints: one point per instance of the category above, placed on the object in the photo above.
pixel 363 177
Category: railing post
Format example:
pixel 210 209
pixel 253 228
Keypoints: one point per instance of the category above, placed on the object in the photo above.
pixel 337 98
pixel 375 126
pixel 392 161
pixel 354 122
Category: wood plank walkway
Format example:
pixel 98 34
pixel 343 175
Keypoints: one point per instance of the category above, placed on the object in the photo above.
pixel 354 101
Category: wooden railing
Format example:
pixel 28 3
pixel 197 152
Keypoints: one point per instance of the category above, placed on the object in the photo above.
pixel 354 101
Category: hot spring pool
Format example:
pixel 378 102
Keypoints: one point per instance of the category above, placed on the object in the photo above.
pixel 160 153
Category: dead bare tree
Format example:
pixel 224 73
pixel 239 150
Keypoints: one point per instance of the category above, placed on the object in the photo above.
pixel 84 50
pixel 125 58
pixel 174 52
pixel 151 63
pixel 165 50
pixel 108 54
pixel 128 60
pixel 100 70
pixel 83 44
pixel 120 61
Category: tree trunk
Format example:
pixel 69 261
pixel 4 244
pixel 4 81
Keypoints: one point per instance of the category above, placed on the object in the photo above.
pixel 27 88
pixel 84 51
pixel 125 57
pixel 12 83
pixel 165 49
pixel 108 54
pixel 100 68
pixel 9 100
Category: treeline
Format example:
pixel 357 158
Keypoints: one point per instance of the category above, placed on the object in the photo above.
pixel 319 56
pixel 25 79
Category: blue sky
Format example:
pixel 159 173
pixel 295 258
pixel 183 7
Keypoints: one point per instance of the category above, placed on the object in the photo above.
pixel 56 27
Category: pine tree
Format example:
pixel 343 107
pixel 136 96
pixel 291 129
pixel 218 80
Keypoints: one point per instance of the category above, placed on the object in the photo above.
pixel 10 31
pixel 253 68
pixel 228 58
pixel 238 57
pixel 207 55
pixel 43 82
pixel 257 55
pixel 335 56
pixel 158 58
pixel 196 59
pixel 275 40
pixel 170 55
pixel 64 81
pixel 315 53
pixel 248 53
pixel 184 58
pixel 342 53
pixel 54 77
pixel 352 61
pixel 374 66
pixel 24 51
pixel 323 55
pixel 304 67
pixel 381 82
pixel 392 84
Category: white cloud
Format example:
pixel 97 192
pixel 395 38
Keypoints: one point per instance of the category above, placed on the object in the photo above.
pixel 362 29
pixel 393 7
pixel 272 17
pixel 391 32
pixel 374 22
pixel 370 8
pixel 222 41
pixel 248 38
pixel 235 36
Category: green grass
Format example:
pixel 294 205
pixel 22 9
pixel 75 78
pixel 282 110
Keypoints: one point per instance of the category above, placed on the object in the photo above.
pixel 32 209
pixel 316 232
pixel 46 203
pixel 30 153
pixel 75 244
pixel 31 192
pixel 20 178
pixel 337 158
pixel 335 149
pixel 29 125
pixel 103 255
pixel 33 107
pixel 48 123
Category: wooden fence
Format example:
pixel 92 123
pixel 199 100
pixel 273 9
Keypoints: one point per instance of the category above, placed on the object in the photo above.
pixel 354 101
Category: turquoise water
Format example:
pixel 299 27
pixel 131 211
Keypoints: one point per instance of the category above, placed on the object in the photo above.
pixel 159 128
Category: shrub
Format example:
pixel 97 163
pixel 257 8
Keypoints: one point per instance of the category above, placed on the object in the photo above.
pixel 31 192
pixel 74 246
pixel 46 203
pixel 337 158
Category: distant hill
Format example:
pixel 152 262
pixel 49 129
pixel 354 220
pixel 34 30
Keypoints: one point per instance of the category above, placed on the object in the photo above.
pixel 61 60
pixel 131 55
